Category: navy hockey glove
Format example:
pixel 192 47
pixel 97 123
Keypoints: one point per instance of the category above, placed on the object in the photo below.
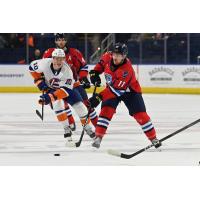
pixel 85 83
pixel 95 100
pixel 41 84
pixel 95 78
pixel 50 90
pixel 47 98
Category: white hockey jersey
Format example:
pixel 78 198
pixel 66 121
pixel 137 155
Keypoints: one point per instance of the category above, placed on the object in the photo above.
pixel 54 79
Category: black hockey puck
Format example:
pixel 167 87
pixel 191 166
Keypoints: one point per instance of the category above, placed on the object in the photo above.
pixel 56 154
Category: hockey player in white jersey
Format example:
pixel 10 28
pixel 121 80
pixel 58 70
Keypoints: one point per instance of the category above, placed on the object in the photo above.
pixel 54 76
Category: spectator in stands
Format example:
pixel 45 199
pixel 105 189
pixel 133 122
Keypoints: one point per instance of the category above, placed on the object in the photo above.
pixel 3 42
pixel 21 40
pixel 12 40
pixel 135 37
pixel 36 56
pixel 31 40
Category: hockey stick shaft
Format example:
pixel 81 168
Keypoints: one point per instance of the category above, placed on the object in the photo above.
pixel 128 156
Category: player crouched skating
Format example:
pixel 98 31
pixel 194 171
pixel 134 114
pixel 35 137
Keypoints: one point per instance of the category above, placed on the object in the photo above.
pixel 121 85
pixel 55 77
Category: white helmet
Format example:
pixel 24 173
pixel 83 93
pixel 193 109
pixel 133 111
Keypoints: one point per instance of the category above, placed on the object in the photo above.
pixel 58 53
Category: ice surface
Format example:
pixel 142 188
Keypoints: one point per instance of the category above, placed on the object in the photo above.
pixel 26 140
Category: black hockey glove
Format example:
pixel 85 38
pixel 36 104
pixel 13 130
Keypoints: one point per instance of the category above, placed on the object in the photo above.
pixel 49 90
pixel 47 98
pixel 41 84
pixel 95 78
pixel 95 100
pixel 85 83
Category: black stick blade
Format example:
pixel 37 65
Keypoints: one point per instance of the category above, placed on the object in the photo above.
pixel 118 154
pixel 39 114
pixel 80 140
pixel 77 144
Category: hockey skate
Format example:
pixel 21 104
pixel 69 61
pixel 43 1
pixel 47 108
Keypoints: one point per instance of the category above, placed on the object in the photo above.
pixel 68 133
pixel 88 130
pixel 72 126
pixel 156 143
pixel 97 142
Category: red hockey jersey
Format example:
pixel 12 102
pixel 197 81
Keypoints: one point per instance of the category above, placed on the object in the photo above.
pixel 119 79
pixel 75 60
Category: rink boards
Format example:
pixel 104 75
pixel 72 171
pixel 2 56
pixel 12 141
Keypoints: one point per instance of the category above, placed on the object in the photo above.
pixel 175 79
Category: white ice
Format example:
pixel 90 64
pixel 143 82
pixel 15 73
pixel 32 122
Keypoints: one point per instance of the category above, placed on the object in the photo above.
pixel 26 140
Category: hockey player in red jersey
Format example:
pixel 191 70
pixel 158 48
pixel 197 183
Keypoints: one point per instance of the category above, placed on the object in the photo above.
pixel 75 60
pixel 121 85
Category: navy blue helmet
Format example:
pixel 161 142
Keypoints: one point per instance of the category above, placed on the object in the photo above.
pixel 59 36
pixel 121 49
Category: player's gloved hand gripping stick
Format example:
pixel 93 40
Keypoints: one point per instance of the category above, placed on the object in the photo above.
pixel 85 83
pixel 95 78
pixel 41 115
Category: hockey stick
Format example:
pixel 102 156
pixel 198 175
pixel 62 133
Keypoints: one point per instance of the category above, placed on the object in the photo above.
pixel 78 144
pixel 128 156
pixel 41 116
